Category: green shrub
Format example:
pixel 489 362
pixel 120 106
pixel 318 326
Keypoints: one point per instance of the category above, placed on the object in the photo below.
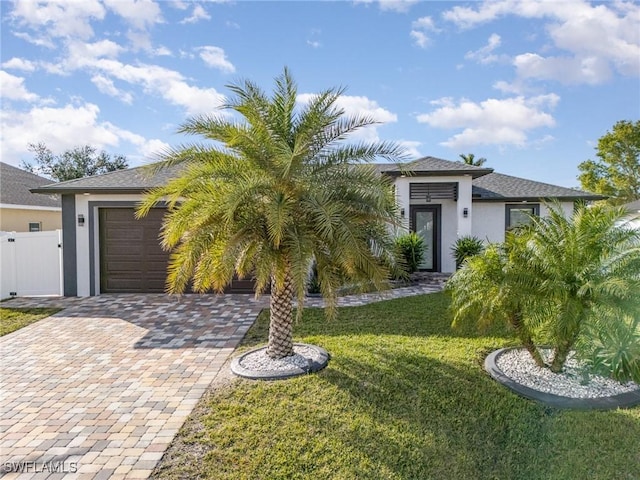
pixel 411 250
pixel 466 247
pixel 612 349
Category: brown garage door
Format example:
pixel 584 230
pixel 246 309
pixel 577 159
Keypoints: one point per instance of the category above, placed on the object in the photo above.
pixel 131 259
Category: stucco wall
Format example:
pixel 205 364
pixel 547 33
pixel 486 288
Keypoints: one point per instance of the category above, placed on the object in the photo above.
pixel 489 218
pixel 18 219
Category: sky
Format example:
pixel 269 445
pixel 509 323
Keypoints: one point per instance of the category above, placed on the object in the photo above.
pixel 530 86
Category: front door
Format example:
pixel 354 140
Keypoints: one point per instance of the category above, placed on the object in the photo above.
pixel 425 221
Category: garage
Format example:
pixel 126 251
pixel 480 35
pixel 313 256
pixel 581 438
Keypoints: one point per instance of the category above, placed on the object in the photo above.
pixel 131 258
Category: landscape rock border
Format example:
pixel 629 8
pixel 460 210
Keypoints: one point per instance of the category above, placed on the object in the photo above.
pixel 623 400
pixel 317 359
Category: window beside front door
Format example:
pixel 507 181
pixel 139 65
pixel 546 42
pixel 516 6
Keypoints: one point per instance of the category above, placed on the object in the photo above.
pixel 517 215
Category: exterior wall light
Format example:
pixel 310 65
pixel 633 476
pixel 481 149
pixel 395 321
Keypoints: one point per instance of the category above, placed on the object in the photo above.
pixel 465 212
pixel 81 220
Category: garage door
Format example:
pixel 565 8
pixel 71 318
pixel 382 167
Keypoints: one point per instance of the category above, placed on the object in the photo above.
pixel 131 259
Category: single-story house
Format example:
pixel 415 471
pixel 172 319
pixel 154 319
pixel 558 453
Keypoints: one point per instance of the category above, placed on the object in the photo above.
pixel 633 219
pixel 23 211
pixel 107 250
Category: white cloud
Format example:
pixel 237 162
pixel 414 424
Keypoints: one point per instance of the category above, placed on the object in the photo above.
pixel 592 40
pixel 485 54
pixel 411 148
pixel 420 39
pixel 493 121
pixel 199 13
pixel 64 128
pixel 105 85
pixel 141 14
pixel 59 18
pixel 363 107
pixel 16 63
pixel 13 88
pixel 419 29
pixel 400 6
pixel 314 43
pixel 216 58
pixel 231 24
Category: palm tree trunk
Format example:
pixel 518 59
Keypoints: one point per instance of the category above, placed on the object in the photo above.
pixel 560 356
pixel 280 320
pixel 527 341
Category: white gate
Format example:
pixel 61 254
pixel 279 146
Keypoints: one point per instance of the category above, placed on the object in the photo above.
pixel 30 263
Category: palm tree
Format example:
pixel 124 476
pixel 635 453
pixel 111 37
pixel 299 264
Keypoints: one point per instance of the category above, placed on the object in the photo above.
pixel 470 159
pixel 279 189
pixel 588 266
pixel 489 289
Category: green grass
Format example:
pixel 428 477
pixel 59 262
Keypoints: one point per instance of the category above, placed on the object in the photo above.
pixel 12 319
pixel 403 397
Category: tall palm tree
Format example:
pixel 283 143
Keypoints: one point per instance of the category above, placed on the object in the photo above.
pixel 470 159
pixel 279 189
pixel 588 266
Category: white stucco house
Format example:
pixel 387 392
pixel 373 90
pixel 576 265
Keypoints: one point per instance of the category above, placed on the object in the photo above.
pixel 106 250
pixel 633 220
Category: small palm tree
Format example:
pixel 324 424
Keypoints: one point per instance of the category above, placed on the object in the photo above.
pixel 490 288
pixel 470 159
pixel 588 266
pixel 278 190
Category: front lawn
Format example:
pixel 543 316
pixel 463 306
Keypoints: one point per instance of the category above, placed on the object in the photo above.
pixel 403 397
pixel 12 319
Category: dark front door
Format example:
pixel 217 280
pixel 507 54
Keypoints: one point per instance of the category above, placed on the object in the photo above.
pixel 425 221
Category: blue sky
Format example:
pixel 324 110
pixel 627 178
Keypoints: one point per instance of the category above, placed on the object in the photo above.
pixel 531 86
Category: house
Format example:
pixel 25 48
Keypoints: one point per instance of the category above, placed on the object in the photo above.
pixel 23 211
pixel 633 219
pixel 107 250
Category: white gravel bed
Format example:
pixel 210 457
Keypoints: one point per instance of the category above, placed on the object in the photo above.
pixel 518 365
pixel 260 362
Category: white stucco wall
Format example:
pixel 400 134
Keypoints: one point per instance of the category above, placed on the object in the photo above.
pixel 453 223
pixel 489 218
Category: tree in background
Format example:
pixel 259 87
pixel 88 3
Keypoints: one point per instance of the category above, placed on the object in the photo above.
pixel 470 159
pixel 79 162
pixel 617 172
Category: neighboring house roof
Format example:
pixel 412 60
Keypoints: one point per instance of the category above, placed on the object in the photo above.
pixel 487 185
pixel 500 187
pixel 633 207
pixel 15 186
pixel 432 166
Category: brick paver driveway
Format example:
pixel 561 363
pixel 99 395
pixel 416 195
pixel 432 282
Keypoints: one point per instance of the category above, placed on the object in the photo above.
pixel 100 389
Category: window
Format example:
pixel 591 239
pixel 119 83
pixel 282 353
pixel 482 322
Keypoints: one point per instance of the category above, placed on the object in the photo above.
pixel 517 215
pixel 35 226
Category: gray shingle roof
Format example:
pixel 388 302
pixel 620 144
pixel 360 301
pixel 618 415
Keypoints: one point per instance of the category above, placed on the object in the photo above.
pixel 432 166
pixel 15 184
pixel 132 180
pixel 486 185
pixel 500 187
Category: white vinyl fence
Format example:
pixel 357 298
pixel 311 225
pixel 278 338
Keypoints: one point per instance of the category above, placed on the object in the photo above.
pixel 30 263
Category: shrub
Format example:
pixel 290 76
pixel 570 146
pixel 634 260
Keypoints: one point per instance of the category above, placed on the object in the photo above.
pixel 466 247
pixel 411 250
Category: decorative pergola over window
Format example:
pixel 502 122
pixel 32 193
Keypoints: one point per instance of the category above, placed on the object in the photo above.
pixel 433 191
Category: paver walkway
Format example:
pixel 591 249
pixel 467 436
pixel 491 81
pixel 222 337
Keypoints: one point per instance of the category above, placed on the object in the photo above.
pixel 100 389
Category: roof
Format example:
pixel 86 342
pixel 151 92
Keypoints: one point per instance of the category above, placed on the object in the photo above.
pixel 633 206
pixel 15 186
pixel 131 180
pixel 500 187
pixel 432 166
pixel 487 185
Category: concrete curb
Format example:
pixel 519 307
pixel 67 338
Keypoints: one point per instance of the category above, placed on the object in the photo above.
pixel 623 400
pixel 316 362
